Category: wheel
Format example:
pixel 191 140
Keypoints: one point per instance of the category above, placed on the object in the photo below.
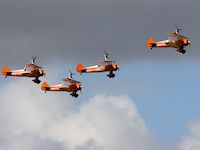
pixel 111 75
pixel 74 95
pixel 36 81
pixel 183 51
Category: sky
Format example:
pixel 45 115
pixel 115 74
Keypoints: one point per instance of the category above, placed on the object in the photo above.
pixel 152 103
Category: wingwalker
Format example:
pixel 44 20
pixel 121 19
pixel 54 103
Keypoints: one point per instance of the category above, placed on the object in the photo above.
pixel 30 70
pixel 106 65
pixel 67 85
pixel 175 40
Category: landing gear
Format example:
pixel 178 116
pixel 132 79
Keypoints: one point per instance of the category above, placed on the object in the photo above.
pixel 36 80
pixel 181 51
pixel 74 94
pixel 111 75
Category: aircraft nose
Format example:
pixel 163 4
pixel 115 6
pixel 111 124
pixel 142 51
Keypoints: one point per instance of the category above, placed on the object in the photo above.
pixel 115 66
pixel 186 42
pixel 79 86
pixel 42 72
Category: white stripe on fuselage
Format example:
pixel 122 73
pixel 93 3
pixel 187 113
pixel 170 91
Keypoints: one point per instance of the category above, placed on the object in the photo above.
pixel 165 41
pixel 18 70
pixel 92 67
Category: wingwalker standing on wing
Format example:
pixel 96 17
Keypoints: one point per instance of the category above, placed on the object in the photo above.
pixel 30 70
pixel 175 40
pixel 68 85
pixel 106 65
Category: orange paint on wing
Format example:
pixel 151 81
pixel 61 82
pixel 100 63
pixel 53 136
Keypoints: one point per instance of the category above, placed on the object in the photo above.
pixel 5 70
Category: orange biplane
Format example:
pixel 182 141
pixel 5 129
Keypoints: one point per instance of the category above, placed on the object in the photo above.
pixel 68 85
pixel 106 65
pixel 175 40
pixel 30 70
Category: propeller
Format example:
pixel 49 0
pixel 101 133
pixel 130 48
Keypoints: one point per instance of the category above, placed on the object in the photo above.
pixel 178 30
pixel 81 89
pixel 189 43
pixel 118 69
pixel 44 74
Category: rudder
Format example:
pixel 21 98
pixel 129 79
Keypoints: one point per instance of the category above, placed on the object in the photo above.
pixel 79 68
pixel 44 86
pixel 5 70
pixel 150 42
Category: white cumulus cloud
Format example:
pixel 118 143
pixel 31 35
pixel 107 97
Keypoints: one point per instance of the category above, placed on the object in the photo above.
pixel 33 120
pixel 191 141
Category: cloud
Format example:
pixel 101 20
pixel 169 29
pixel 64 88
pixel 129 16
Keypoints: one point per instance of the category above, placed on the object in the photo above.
pixel 191 141
pixel 78 32
pixel 30 142
pixel 32 120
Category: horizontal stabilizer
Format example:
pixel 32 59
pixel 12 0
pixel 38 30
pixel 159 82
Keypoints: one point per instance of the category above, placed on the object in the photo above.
pixel 5 70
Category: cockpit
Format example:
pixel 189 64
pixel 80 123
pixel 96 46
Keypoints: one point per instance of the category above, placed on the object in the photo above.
pixel 65 83
pixel 105 63
pixel 28 68
pixel 173 37
pixel 68 82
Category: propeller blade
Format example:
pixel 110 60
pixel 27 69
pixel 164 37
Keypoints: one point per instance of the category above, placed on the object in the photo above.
pixel 81 89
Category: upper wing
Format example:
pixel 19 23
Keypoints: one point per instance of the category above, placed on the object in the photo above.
pixel 177 36
pixel 106 63
pixel 68 81
pixel 32 67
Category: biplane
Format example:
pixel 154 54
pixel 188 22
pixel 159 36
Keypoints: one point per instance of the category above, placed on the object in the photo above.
pixel 106 65
pixel 30 70
pixel 175 40
pixel 68 85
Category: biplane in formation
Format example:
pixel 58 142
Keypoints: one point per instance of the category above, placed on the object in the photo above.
pixel 68 85
pixel 175 40
pixel 30 70
pixel 106 65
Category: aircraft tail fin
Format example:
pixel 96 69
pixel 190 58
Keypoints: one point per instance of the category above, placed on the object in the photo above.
pixel 150 42
pixel 44 86
pixel 5 70
pixel 79 68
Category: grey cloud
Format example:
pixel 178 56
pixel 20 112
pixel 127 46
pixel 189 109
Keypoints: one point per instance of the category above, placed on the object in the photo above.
pixel 79 31
pixel 89 145
pixel 29 141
